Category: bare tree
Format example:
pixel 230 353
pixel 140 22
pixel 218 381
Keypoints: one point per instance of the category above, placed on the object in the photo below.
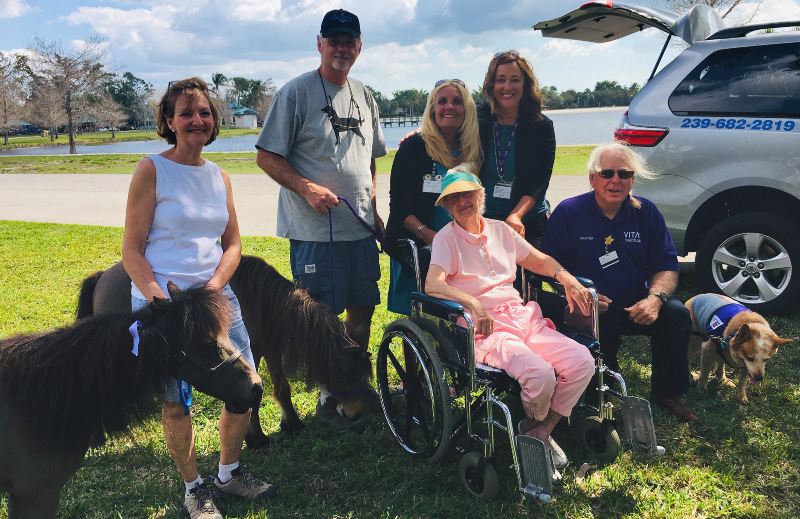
pixel 44 107
pixel 12 90
pixel 73 74
pixel 107 113
pixel 724 7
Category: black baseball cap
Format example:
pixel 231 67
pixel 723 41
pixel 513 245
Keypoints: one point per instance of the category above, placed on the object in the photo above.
pixel 340 21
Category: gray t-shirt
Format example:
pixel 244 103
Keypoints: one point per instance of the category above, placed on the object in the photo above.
pixel 296 128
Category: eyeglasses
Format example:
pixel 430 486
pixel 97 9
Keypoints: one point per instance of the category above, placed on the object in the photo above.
pixel 443 81
pixel 623 174
pixel 461 194
pixel 187 84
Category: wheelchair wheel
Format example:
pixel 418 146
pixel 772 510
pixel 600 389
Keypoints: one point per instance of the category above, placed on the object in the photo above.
pixel 413 389
pixel 600 439
pixel 478 476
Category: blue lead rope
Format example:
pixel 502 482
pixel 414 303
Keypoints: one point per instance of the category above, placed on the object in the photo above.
pixel 376 232
pixel 185 392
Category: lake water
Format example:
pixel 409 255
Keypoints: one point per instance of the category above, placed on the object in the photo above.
pixel 572 127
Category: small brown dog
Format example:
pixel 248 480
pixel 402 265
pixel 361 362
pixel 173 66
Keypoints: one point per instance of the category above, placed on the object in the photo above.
pixel 737 337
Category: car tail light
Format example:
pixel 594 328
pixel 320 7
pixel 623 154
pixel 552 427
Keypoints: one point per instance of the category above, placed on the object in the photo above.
pixel 646 137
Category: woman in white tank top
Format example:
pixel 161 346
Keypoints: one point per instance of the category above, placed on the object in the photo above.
pixel 180 226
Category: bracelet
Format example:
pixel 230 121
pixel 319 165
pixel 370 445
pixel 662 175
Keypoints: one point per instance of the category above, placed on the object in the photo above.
pixel 421 227
pixel 558 271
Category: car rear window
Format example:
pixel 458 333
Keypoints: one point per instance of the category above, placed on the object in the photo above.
pixel 762 80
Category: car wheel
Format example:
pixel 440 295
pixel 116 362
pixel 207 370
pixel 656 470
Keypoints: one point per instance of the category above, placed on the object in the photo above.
pixel 750 257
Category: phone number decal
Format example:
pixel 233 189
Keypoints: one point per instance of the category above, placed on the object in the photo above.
pixel 775 125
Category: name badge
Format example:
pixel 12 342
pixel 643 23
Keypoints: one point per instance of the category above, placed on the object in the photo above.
pixel 606 260
pixel 502 191
pixel 432 184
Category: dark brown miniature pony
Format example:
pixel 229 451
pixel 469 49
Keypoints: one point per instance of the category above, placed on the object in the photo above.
pixel 66 390
pixel 297 337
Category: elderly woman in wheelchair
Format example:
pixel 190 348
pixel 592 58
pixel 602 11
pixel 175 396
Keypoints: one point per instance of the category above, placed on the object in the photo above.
pixel 474 262
pixel 471 338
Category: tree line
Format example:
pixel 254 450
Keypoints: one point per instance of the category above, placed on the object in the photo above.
pixel 71 90
pixel 605 93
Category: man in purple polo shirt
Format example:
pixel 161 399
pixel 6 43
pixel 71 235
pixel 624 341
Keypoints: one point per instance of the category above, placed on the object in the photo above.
pixel 621 243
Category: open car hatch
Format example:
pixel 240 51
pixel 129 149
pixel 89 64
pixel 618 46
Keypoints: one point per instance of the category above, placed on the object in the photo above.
pixel 600 22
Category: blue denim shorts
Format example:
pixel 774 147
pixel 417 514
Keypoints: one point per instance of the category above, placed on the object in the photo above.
pixel 237 334
pixel 356 272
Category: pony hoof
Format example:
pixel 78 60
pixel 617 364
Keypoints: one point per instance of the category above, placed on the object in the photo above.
pixel 291 427
pixel 257 441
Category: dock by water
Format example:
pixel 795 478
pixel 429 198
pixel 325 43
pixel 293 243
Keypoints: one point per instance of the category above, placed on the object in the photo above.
pixel 401 120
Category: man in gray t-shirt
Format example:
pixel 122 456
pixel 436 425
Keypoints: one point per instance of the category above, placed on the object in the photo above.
pixel 320 140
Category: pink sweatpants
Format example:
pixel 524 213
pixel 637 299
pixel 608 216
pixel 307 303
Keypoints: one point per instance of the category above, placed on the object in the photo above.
pixel 552 369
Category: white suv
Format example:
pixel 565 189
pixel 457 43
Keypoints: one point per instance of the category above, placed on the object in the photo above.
pixel 721 124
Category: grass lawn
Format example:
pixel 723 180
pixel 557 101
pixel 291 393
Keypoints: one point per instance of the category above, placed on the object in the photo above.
pixel 92 138
pixel 735 461
pixel 570 160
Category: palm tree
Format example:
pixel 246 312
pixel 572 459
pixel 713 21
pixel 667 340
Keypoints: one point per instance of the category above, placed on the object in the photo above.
pixel 218 80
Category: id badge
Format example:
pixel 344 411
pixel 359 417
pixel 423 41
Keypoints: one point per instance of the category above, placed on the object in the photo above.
pixel 502 191
pixel 606 260
pixel 432 184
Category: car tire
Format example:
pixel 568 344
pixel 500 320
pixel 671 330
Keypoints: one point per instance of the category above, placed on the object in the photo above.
pixel 751 258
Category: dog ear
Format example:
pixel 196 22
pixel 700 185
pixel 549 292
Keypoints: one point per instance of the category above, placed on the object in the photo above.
pixel 743 333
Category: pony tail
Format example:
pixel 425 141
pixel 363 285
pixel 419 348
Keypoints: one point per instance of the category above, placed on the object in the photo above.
pixel 86 296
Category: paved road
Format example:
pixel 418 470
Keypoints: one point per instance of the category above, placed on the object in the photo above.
pixel 100 199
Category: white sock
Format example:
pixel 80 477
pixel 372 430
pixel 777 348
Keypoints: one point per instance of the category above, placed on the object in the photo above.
pixel 191 484
pixel 225 471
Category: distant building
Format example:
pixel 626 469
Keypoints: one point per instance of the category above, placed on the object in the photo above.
pixel 242 116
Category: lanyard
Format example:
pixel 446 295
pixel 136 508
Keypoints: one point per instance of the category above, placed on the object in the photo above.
pixel 500 161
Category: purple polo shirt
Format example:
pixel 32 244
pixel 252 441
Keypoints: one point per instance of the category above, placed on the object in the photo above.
pixel 619 255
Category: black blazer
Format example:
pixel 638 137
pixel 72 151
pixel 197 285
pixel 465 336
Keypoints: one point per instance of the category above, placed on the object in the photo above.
pixel 411 164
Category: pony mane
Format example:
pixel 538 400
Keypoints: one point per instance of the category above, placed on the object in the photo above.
pixel 73 386
pixel 287 319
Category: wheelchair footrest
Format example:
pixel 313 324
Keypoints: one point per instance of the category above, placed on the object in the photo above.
pixel 638 421
pixel 536 466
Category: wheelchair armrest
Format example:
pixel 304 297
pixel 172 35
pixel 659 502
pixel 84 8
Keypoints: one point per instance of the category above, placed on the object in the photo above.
pixel 443 305
pixel 588 283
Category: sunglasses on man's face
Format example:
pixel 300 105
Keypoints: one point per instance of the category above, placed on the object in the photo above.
pixel 443 81
pixel 623 174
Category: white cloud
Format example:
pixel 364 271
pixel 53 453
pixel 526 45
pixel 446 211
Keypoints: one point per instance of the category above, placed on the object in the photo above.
pixel 13 8
pixel 555 48
pixel 137 30
pixel 774 11
pixel 256 10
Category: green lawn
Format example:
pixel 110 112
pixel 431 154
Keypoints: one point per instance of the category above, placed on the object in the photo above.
pixel 93 138
pixel 735 461
pixel 570 160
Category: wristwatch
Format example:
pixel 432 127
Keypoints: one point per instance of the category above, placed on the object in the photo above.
pixel 661 295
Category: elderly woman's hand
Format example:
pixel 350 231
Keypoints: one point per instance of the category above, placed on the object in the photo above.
pixel 577 294
pixel 484 324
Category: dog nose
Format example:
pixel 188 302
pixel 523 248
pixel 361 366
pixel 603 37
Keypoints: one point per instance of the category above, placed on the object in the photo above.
pixel 758 378
pixel 257 390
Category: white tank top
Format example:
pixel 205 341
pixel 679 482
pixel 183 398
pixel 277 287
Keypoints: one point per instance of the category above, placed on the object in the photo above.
pixel 184 245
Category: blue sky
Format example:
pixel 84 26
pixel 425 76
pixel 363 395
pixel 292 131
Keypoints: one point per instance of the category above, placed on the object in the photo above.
pixel 407 43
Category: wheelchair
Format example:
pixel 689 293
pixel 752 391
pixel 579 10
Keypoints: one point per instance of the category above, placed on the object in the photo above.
pixel 433 393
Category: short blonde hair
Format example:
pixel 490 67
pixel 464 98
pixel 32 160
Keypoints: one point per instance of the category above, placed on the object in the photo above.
pixel 469 138
pixel 636 162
